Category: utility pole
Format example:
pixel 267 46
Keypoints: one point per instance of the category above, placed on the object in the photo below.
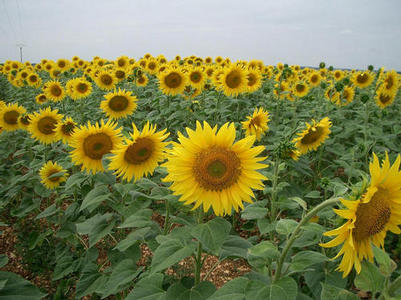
pixel 20 46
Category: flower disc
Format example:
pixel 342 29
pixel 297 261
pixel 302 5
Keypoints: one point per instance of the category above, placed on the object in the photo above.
pixel 49 169
pixel 313 136
pixel 256 124
pixel 54 91
pixel 43 125
pixel 65 130
pixel 172 81
pixel 9 115
pixel 119 104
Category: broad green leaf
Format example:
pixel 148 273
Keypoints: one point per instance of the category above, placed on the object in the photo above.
pixel 313 194
pixel 95 197
pixel 331 292
pixel 212 234
pixel 56 175
pixel 140 219
pixel 255 211
pixel 314 279
pixel 96 227
pixel 132 238
pixel 234 246
pixel 370 279
pixel 302 260
pixel 90 281
pixel 63 267
pixel 202 291
pixel 148 288
pixel 51 210
pixel 386 265
pixel 16 287
pixel 264 249
pixel 265 226
pixel 284 289
pixel 286 226
pixel 74 180
pixel 170 253
pixel 232 290
pixel 300 201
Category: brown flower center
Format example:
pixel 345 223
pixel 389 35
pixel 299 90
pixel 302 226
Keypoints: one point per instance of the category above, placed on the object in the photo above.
pixel 55 90
pixel 11 117
pixel 195 77
pixel 82 87
pixel 106 79
pixel 251 79
pixel 217 168
pixel 68 128
pixel 173 80
pixel 362 78
pixel 46 125
pixel 140 151
pixel 97 145
pixel 312 136
pixel 118 103
pixel 372 217
pixel 233 79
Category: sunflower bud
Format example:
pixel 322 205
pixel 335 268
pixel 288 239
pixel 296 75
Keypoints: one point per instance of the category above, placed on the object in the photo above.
pixel 285 65
pixel 286 150
pixel 364 98
pixel 322 65
pixel 324 182
pixel 346 81
pixel 331 68
pixel 266 90
pixel 339 86
pixel 370 68
pixel 323 85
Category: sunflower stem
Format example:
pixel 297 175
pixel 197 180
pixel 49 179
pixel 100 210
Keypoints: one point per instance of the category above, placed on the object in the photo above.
pixel 394 286
pixel 274 189
pixel 166 219
pixel 198 258
pixel 294 235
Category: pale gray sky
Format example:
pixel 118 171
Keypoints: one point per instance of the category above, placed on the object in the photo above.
pixel 343 33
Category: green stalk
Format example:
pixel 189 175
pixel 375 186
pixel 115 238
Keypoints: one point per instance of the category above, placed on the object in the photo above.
pixel 394 286
pixel 198 258
pixel 274 190
pixel 166 219
pixel 294 235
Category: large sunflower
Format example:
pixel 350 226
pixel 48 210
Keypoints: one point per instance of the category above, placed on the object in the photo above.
pixel 49 169
pixel 313 136
pixel 370 217
pixel 9 115
pixel 119 104
pixel 196 77
pixel 140 155
pixel 81 88
pixel 256 124
pixel 54 91
pixel 43 125
pixel 65 130
pixel 233 81
pixel 362 79
pixel 254 77
pixel 172 81
pixel 34 80
pixel 209 169
pixel 300 89
pixel 390 82
pixel 105 80
pixel 384 98
pixel 91 142
pixel 142 80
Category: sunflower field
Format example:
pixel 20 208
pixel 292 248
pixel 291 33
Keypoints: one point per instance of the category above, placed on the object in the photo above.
pixel 198 178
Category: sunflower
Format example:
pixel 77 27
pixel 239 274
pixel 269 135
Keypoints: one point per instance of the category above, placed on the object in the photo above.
pixel 9 115
pixel 233 81
pixel 41 99
pixel 313 136
pixel 105 80
pixel 81 88
pixel 24 121
pixel 314 79
pixel 122 61
pixel 370 217
pixel 142 80
pixel 65 129
pixel 120 73
pixel 172 81
pixel 140 155
pixel 152 66
pixel 43 125
pixel 384 98
pixel 338 75
pixel 196 77
pixel 62 64
pixel 254 80
pixel 54 91
pixel 34 80
pixel 209 169
pixel 300 89
pixel 49 169
pixel 91 142
pixel 348 94
pixel 119 104
pixel 256 124
pixel 362 79
pixel 390 82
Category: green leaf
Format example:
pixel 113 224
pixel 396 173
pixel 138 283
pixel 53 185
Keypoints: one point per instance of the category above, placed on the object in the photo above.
pixel 56 175
pixel 95 197
pixel 124 272
pixel 202 291
pixel 90 281
pixel 286 226
pixel 264 249
pixel 16 287
pixel 300 201
pixel 139 219
pixel 170 253
pixel 51 210
pixel 331 292
pixel 302 260
pixel 74 180
pixel 132 238
pixel 234 246
pixel 284 289
pixel 313 194
pixel 3 260
pixel 386 265
pixel 63 267
pixel 265 226
pixel 96 227
pixel 370 278
pixel 148 288
pixel 212 234
pixel 255 211
pixel 232 290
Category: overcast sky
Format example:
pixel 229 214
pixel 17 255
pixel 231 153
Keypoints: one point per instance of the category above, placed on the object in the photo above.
pixel 343 33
